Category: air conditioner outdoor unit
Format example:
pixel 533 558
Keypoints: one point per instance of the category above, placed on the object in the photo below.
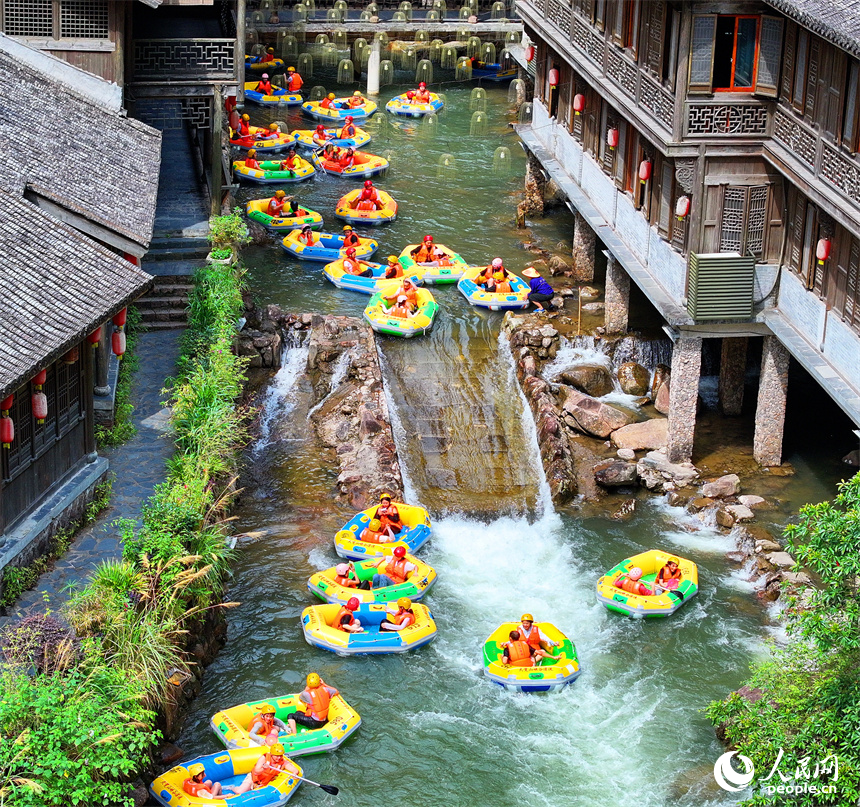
pixel 720 286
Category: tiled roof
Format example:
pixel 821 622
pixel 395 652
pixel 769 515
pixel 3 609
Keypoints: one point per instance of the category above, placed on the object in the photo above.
pixel 837 21
pixel 56 286
pixel 75 152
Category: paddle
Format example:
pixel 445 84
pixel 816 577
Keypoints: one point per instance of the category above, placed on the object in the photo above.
pixel 327 788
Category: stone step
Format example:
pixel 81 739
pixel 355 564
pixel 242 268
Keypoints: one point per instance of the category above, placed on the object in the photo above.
pixel 161 242
pixel 178 315
pixel 162 326
pixel 174 280
pixel 148 303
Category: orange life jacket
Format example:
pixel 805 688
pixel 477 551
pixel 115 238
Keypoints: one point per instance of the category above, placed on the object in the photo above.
pixel 264 87
pixel 369 194
pixel 295 82
pixel 503 288
pixel 366 205
pixel 532 638
pixel 396 570
pixel 351 240
pixel 356 102
pixel 263 777
pixel 631 586
pixel 288 163
pixel 192 788
pixel 665 575
pixel 338 620
pixel 397 272
pixel 519 653
pixel 373 537
pixel 405 618
pixel 422 96
pixel 347 160
pixel 351 266
pixel 347 132
pixel 325 103
pixel 346 582
pixel 261 718
pixel 401 311
pixel 320 699
pixel 251 163
pixel 275 207
pixel 307 238
pixel 424 253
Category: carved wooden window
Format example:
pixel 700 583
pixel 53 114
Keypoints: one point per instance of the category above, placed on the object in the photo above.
pixel 56 19
pixel 20 455
pixel 655 36
pixel 44 434
pixel 851 111
pixel 788 57
pixel 801 58
pixel 625 25
pixel 670 47
pixel 812 70
pixel 802 238
pixel 600 14
pixel 851 308
pixel 666 196
pixel 769 57
pixel 832 90
pixel 702 56
pixel 69 394
pixel 621 153
pixel 744 215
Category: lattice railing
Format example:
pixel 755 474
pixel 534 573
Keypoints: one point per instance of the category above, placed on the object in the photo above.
pixel 184 59
pixel 707 119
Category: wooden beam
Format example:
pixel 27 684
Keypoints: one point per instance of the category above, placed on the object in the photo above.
pixel 215 167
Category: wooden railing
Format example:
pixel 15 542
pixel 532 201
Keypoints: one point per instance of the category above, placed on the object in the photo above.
pixel 184 60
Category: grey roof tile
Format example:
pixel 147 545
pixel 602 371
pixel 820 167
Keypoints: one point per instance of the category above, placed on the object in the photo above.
pixel 837 21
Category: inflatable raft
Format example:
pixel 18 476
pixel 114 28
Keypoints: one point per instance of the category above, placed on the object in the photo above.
pixel 379 318
pixel 366 213
pixel 325 586
pixel 232 725
pixel 365 166
pixel 278 97
pixel 317 619
pixel 304 138
pixel 493 71
pixel 272 66
pixel 270 172
pixel 416 532
pixel 256 211
pixel 228 768
pixel 336 113
pixel 516 298
pixel 410 108
pixel 433 273
pixel 337 275
pixel 612 593
pixel 255 141
pixel 546 676
pixel 327 247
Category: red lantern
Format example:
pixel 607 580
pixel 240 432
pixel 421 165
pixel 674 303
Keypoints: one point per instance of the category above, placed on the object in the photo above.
pixel 7 431
pixel 682 207
pixel 612 138
pixel 578 103
pixel 120 318
pixel 40 378
pixel 39 402
pixel 118 343
pixel 7 403
pixel 644 171
pixel 95 337
pixel 822 250
pixel 530 53
pixel 234 120
pixel 553 77
pixel 72 356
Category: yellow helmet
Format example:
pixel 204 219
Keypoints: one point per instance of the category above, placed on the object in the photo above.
pixel 375 524
pixel 267 709
pixel 270 50
pixel 273 127
pixel 196 768
pixel 347 227
pixel 386 495
pixel 404 602
pixel 331 96
pixel 291 69
pixel 277 750
pixel 252 152
pixel 527 618
pixel 392 259
pixel 246 117
pixel 280 194
pixel 357 94
pixel 313 680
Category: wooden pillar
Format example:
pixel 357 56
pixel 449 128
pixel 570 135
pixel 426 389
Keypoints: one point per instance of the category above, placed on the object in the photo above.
pixel 683 397
pixel 88 362
pixel 216 169
pixel 102 361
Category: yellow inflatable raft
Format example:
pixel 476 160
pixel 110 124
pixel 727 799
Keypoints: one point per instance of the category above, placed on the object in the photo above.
pixel 325 586
pixel 335 273
pixel 278 97
pixel 339 111
pixel 270 66
pixel 257 210
pixel 348 543
pixel 546 676
pixel 628 587
pixel 232 725
pixel 517 297
pixel 379 317
pixel 229 768
pixel 304 138
pixel 351 210
pixel 317 626
pixel 447 270
pixel 271 173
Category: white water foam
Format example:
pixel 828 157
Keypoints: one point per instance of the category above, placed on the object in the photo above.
pixel 341 368
pixel 280 397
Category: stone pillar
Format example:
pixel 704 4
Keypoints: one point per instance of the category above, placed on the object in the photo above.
pixel 103 360
pixel 683 398
pixel 584 246
pixel 617 304
pixel 770 410
pixel 535 184
pixel 733 363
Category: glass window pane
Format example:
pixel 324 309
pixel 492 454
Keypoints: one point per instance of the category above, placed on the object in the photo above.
pixel 745 52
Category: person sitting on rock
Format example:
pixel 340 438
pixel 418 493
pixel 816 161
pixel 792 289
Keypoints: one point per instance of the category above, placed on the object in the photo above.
pixel 374 533
pixel 399 617
pixel 251 160
pixel 668 577
pixel 393 570
pixel 264 86
pixel 306 236
pixel 201 788
pixel 264 726
pixel 317 697
pixel 353 265
pixel 516 652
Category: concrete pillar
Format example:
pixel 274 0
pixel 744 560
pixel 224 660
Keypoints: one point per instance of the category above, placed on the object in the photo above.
pixel 584 246
pixel 617 303
pixel 683 397
pixel 733 364
pixel 770 409
pixel 373 63
pixel 240 51
pixel 103 352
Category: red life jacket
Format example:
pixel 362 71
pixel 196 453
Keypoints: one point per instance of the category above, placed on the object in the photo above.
pixel 325 103
pixel 369 195
pixel 396 570
pixel 631 586
pixel 307 238
pixel 351 240
pixel 338 620
pixel 295 82
pixel 276 207
pixel 519 653
pixel 244 129
pixel 264 87
pixel 346 582
pixel 250 162
pixel 320 699
pixel 532 638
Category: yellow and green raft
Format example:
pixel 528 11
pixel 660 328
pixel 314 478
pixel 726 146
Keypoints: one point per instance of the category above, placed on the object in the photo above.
pixel 433 272
pixel 546 676
pixel 232 725
pixel 325 586
pixel 416 532
pixel 648 605
pixel 256 210
pixel 380 320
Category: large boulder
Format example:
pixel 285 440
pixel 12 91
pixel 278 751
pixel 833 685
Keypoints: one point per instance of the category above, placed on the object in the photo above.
pixel 592 379
pixel 661 399
pixel 728 485
pixel 590 415
pixel 615 473
pixel 660 377
pixel 648 434
pixel 634 378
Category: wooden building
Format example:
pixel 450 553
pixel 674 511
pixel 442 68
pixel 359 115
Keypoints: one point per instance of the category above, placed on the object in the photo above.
pixel 711 149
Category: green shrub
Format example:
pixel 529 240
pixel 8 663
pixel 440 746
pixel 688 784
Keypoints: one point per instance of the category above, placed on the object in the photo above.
pixel 229 230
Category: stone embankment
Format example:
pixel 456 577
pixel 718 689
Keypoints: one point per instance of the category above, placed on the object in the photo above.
pixel 349 413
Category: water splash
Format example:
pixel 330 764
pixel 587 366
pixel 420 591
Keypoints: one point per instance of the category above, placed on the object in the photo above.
pixel 339 372
pixel 280 397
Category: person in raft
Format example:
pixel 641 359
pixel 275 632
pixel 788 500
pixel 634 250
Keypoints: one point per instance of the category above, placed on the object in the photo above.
pixel 516 652
pixel 272 133
pixel 487 279
pixel 374 533
pixel 394 570
pixel 344 575
pixel 402 309
pixel 326 103
pixel 394 269
pixel 200 788
pixel 424 253
pixel 244 129
pixel 536 638
pixel 368 199
pixel 356 101
pixel 350 239
pixel 668 577
pixel 264 728
pixel 422 94
pixel 277 202
pixel 631 583
pixel 290 162
pixel 306 236
pixel 541 292
pixel 268 56
pixel 320 136
pixel 266 768
pixel 386 512
pixel 331 152
pixel 294 80
pixel 264 85
pixel 353 265
pixel 345 618
pixel 251 159
pixel 399 617
pixel 348 129
pixel 316 696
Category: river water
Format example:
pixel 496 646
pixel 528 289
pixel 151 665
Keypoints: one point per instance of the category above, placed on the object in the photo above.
pixel 434 731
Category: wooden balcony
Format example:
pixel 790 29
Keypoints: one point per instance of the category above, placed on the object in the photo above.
pixel 184 60
pixel 708 118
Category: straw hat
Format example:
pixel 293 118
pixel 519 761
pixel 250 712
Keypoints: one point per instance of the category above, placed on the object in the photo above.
pixel 531 272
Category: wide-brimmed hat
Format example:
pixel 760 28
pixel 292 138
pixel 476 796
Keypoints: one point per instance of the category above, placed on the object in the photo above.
pixel 531 272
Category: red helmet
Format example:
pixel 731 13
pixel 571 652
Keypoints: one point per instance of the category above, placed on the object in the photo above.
pixel 350 251
pixel 428 238
pixel 399 551
pixel 422 85
pixel 368 183
pixel 349 118
pixel 320 128
pixel 353 604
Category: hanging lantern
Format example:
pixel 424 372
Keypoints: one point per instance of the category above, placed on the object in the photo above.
pixel 578 103
pixel 95 337
pixel 234 120
pixel 118 343
pixel 682 207
pixel 40 379
pixel 120 318
pixel 530 53
pixel 612 138
pixel 644 171
pixel 822 250
pixel 553 77
pixel 39 403
pixel 72 356
pixel 7 403
pixel 7 430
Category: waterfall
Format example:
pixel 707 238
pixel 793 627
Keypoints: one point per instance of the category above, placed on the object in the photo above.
pixel 280 398
pixel 339 372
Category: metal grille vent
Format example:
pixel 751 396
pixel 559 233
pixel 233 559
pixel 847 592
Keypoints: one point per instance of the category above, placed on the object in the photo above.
pixel 84 19
pixel 29 18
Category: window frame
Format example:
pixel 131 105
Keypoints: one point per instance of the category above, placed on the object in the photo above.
pixel 737 18
pixel 59 42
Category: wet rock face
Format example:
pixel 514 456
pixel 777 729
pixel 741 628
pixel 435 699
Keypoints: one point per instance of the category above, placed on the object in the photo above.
pixel 634 378
pixel 592 379
pixel 592 416
pixel 615 473
pixel 661 376
pixel 650 434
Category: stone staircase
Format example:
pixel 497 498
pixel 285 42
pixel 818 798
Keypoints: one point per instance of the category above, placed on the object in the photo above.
pixel 172 260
